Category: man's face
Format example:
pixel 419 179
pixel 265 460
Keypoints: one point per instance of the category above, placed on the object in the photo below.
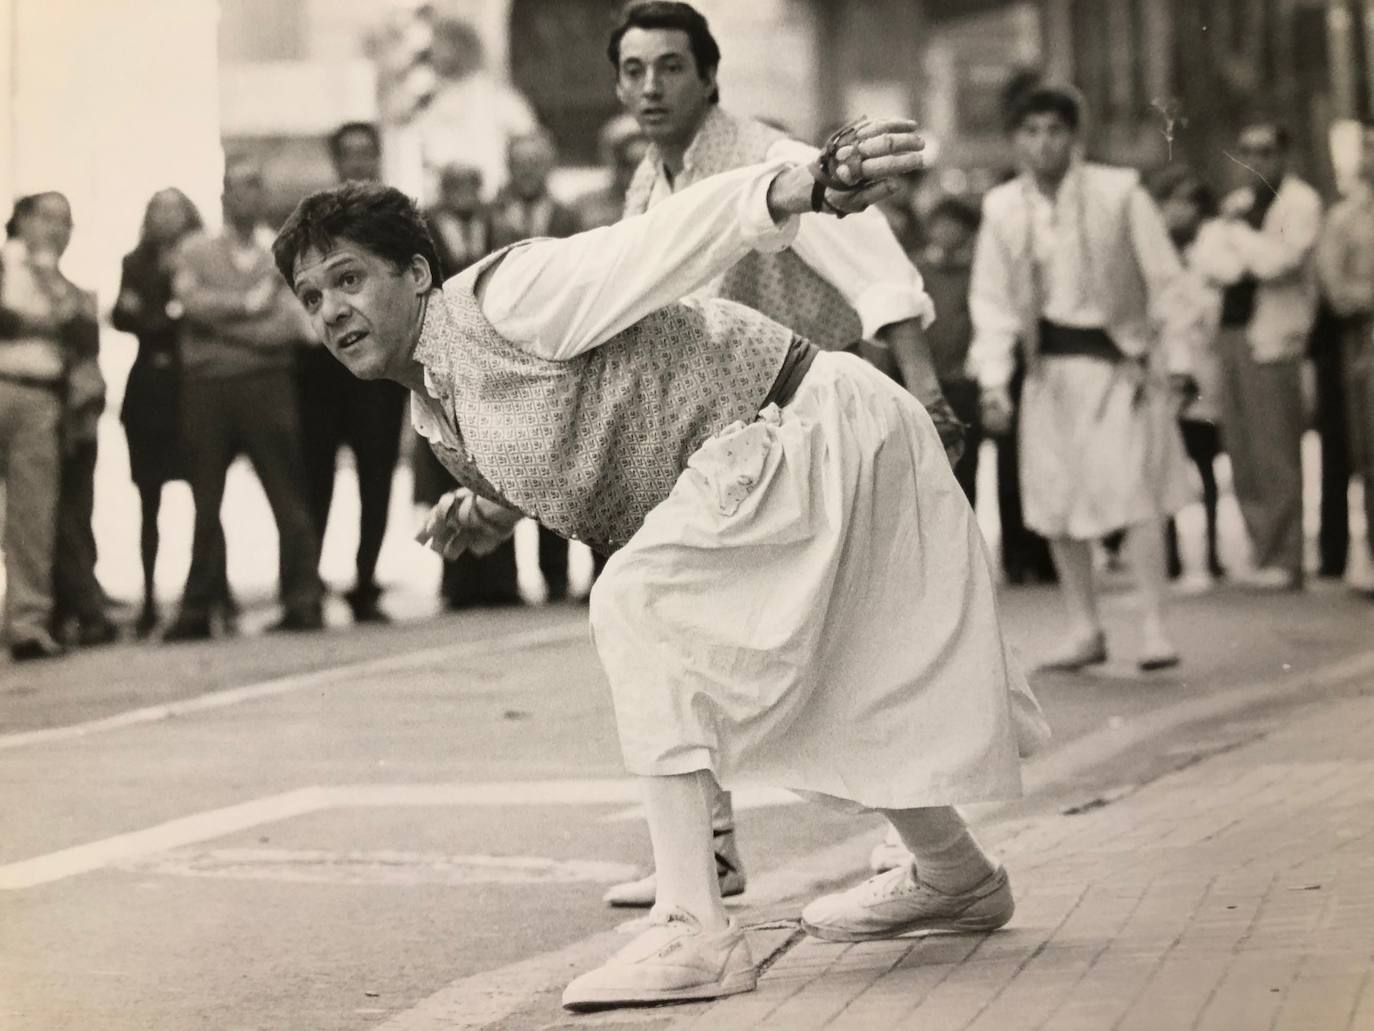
pixel 244 198
pixel 530 163
pixel 949 235
pixel 365 310
pixel 1259 151
pixel 356 157
pixel 48 229
pixel 1044 143
pixel 462 192
pixel 658 82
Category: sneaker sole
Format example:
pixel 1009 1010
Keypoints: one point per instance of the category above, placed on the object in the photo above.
pixel 965 924
pixel 733 984
pixel 641 902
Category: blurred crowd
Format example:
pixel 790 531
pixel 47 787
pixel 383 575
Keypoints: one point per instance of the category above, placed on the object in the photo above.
pixel 1282 340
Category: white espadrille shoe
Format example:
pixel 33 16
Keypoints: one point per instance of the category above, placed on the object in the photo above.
pixel 673 961
pixel 897 902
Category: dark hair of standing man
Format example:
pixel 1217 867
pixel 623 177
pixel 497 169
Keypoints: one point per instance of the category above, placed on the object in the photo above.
pixel 380 219
pixel 665 14
pixel 1045 100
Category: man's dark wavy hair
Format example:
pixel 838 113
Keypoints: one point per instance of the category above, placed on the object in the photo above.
pixel 380 219
pixel 1045 99
pixel 663 14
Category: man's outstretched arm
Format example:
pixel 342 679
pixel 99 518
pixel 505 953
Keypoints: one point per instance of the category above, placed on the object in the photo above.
pixel 561 297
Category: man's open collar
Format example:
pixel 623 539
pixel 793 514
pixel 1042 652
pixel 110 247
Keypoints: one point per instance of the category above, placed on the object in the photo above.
pixel 436 331
pixel 714 124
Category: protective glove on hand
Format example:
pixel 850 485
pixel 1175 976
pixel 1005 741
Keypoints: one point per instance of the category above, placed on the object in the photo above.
pixel 949 426
pixel 461 521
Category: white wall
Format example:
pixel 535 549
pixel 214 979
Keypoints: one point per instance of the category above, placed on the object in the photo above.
pixel 109 103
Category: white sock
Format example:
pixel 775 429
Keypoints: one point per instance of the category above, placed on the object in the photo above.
pixel 948 858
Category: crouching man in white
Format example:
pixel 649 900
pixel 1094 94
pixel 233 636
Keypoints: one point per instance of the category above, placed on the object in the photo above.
pixel 798 592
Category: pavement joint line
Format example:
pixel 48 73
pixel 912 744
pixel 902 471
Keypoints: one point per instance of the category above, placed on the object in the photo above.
pixel 293 682
pixel 480 1001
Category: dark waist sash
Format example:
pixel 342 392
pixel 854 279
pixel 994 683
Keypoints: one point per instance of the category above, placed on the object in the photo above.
pixel 799 358
pixel 1059 341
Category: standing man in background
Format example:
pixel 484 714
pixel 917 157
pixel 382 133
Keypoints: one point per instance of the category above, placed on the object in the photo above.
pixel 1345 263
pixel 338 410
pixel 837 283
pixel 37 314
pixel 241 325
pixel 1261 253
pixel 525 209
pixel 1074 268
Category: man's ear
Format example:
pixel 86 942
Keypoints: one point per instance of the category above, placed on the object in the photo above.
pixel 421 274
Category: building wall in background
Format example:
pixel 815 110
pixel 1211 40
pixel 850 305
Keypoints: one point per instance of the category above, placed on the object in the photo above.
pixel 109 103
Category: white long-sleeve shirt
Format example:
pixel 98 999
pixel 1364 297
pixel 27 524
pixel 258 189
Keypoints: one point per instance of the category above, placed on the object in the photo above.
pixel 558 298
pixel 858 256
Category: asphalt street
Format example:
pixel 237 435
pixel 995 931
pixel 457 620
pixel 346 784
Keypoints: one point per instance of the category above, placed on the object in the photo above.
pixel 411 826
pixel 325 831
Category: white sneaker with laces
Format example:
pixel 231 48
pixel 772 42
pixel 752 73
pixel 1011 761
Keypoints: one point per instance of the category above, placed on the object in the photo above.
pixel 673 961
pixel 894 903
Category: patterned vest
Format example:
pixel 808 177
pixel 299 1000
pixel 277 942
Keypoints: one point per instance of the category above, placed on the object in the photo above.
pixel 780 285
pixel 590 445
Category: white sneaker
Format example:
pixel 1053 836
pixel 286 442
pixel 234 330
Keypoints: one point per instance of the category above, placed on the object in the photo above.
pixel 896 902
pixel 641 894
pixel 673 961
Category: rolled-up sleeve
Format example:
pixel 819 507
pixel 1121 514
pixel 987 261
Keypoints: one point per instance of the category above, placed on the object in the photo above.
pixel 558 298
pixel 860 257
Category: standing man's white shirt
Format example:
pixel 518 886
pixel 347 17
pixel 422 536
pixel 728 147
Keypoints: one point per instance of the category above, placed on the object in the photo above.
pixel 858 256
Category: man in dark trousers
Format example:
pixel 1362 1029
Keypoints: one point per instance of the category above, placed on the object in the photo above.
pixel 338 410
pixel 524 208
pixel 241 324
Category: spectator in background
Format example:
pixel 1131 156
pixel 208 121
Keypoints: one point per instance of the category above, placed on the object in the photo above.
pixel 338 410
pixel 241 324
pixel 78 599
pixel 946 263
pixel 1260 251
pixel 151 410
pixel 461 226
pixel 473 114
pixel 524 209
pixel 621 146
pixel 1187 204
pixel 1345 262
pixel 1074 267
pixel 37 315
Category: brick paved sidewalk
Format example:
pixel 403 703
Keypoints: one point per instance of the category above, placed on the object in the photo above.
pixel 1234 895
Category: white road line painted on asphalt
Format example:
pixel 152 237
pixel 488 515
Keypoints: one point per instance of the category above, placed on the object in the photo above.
pixel 379 867
pixel 296 682
pixel 742 799
pixel 175 833
pixel 480 1001
pixel 215 823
